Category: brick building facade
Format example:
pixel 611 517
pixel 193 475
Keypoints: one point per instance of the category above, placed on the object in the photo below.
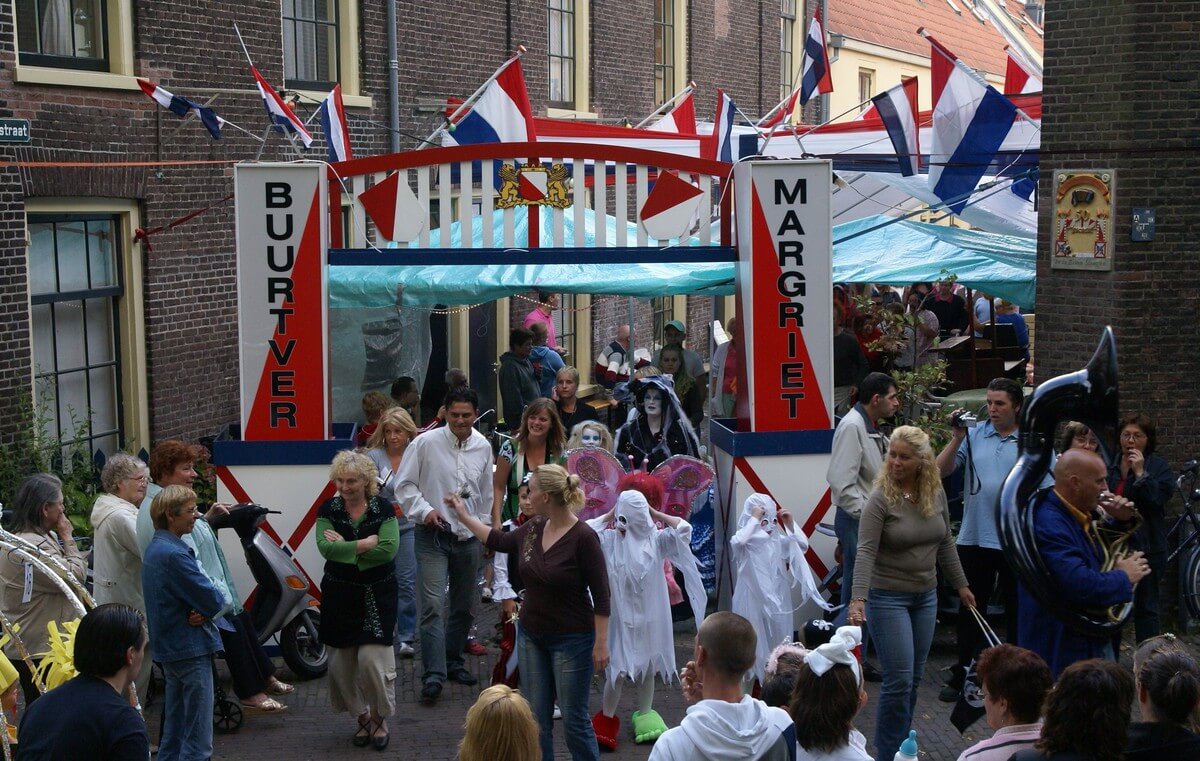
pixel 169 362
pixel 1120 93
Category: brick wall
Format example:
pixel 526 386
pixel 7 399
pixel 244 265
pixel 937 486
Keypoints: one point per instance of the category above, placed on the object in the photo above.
pixel 446 49
pixel 1117 90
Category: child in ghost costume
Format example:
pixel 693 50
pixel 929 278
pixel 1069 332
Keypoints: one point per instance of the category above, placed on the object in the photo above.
pixel 640 638
pixel 768 552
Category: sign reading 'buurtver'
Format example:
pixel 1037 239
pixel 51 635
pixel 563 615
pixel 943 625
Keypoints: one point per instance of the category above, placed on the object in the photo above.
pixel 281 245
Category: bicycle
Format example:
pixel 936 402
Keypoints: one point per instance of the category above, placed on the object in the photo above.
pixel 1189 583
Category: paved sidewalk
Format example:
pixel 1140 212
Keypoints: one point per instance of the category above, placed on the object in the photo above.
pixel 309 730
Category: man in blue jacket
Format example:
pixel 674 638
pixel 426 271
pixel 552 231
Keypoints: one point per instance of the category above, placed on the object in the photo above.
pixel 1074 559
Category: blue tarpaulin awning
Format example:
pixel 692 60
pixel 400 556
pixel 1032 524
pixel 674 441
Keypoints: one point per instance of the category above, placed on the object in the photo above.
pixel 870 251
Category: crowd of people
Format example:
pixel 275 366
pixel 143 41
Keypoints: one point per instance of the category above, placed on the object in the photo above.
pixel 420 516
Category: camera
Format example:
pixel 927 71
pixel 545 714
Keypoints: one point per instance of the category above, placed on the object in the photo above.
pixel 964 420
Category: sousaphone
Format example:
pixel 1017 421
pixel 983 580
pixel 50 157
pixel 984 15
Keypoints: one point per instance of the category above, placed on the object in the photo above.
pixel 1090 397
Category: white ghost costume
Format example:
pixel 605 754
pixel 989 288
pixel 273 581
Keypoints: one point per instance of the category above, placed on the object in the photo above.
pixel 769 562
pixel 640 638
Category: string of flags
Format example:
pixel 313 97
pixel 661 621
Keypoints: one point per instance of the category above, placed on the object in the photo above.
pixel 970 118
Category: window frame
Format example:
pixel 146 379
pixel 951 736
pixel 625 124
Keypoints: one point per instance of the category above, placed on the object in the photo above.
pixel 295 83
pixel 129 332
pixel 787 46
pixel 868 76
pixel 72 63
pixel 117 75
pixel 580 105
pixel 559 9
pixel 348 61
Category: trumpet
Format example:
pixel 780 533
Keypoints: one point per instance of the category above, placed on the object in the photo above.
pixel 1114 543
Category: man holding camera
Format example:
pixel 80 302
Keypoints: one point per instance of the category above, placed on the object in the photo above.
pixel 988 449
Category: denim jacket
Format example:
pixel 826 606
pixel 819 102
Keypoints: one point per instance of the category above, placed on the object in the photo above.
pixel 174 585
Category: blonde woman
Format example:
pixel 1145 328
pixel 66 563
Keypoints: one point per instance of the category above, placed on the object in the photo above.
pixel 564 619
pixel 357 535
pixel 499 727
pixel 591 434
pixel 904 533
pixel 386 449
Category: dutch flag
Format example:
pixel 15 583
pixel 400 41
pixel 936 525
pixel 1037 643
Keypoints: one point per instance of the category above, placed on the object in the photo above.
pixel 501 114
pixel 1020 77
pixel 897 107
pixel 182 107
pixel 816 78
pixel 970 122
pixel 722 137
pixel 680 120
pixel 281 115
pixel 333 122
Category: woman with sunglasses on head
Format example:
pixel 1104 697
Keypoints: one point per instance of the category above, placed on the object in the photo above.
pixel 1143 477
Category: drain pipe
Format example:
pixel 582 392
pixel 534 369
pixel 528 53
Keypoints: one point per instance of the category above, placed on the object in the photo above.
pixel 393 79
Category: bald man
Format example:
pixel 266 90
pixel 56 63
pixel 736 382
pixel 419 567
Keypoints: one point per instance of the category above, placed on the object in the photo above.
pixel 612 365
pixel 1074 561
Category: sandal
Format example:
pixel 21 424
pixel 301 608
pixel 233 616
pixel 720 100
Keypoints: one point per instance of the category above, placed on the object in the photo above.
pixel 363 736
pixel 270 705
pixel 379 742
pixel 277 687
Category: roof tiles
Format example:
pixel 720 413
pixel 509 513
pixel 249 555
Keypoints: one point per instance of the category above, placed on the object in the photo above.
pixel 894 24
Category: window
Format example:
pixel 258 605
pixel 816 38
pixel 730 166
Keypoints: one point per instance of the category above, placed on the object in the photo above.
pixel 561 16
pixel 311 44
pixel 564 323
pixel 866 87
pixel 75 284
pixel 664 50
pixel 63 34
pixel 787 42
pixel 662 311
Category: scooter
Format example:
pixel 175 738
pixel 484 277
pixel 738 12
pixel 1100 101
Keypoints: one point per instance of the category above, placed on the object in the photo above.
pixel 282 603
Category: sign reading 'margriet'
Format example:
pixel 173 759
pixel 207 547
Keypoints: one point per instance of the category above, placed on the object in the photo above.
pixel 785 270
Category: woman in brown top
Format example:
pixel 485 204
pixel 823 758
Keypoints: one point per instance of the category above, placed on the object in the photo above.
pixel 904 532
pixel 30 598
pixel 563 632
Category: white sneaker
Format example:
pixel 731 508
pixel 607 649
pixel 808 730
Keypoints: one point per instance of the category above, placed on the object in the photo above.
pixel 557 712
pixel 404 650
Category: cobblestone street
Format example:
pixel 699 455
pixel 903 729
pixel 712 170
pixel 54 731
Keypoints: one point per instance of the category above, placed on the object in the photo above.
pixel 308 730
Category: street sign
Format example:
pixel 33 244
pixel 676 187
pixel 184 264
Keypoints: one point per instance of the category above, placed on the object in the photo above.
pixel 14 131
pixel 1142 230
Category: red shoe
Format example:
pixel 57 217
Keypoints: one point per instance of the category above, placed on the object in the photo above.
pixel 606 728
pixel 475 647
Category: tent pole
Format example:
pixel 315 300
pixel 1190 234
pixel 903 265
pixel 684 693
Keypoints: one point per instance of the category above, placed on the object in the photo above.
pixel 630 355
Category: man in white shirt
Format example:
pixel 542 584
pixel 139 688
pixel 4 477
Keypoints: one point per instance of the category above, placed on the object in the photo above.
pixel 723 722
pixel 455 459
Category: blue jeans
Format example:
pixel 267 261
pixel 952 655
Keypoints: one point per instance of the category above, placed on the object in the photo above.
pixel 846 529
pixel 406 585
pixel 560 664
pixel 188 709
pixel 441 559
pixel 903 624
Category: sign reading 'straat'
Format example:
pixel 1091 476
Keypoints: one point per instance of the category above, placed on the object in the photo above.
pixel 282 239
pixel 785 274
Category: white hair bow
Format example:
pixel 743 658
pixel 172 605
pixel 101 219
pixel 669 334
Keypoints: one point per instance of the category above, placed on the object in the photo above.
pixel 839 649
